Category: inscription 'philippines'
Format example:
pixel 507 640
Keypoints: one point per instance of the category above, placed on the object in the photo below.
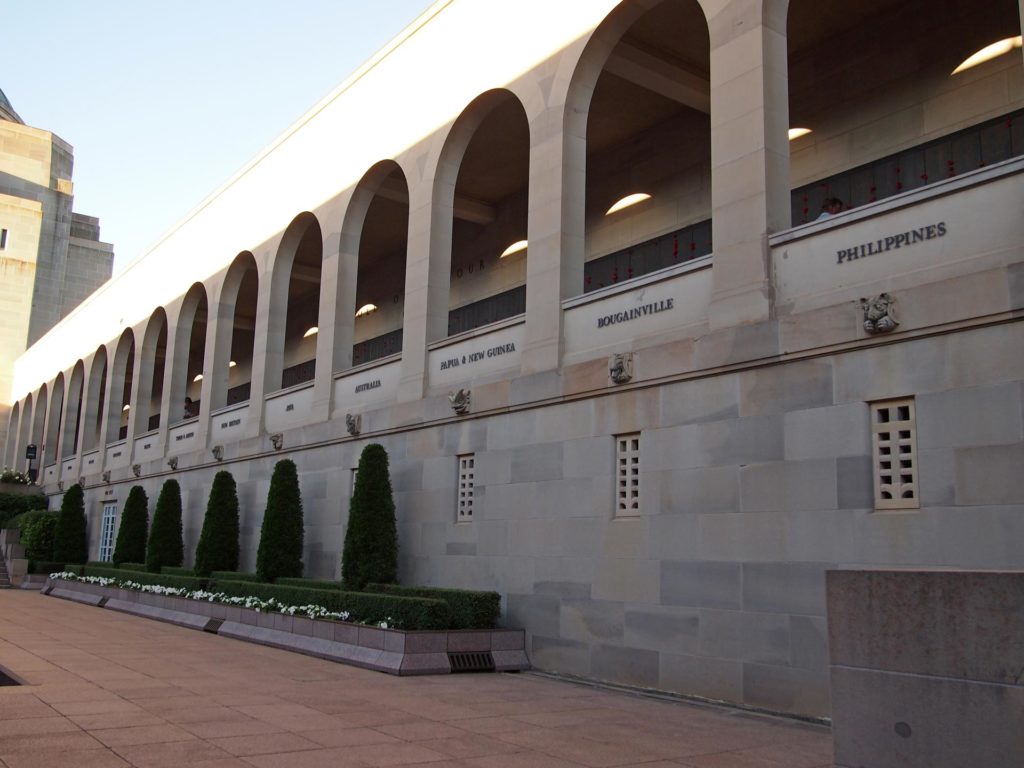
pixel 884 244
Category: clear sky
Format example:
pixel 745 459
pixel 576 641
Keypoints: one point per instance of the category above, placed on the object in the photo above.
pixel 163 102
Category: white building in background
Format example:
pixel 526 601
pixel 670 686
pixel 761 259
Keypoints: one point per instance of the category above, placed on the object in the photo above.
pixel 653 427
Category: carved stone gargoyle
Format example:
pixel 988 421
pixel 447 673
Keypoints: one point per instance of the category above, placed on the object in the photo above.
pixel 879 314
pixel 81 480
pixel 60 485
pixel 620 367
pixel 277 440
pixel 354 423
pixel 173 462
pixel 136 469
pixel 459 401
pixel 106 476
pixel 218 452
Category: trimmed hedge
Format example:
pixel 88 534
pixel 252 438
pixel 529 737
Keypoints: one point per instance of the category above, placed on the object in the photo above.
pixel 41 567
pixel 141 577
pixel 38 530
pixel 134 528
pixel 132 566
pixel 310 583
pixel 69 538
pixel 12 505
pixel 218 576
pixel 280 550
pixel 170 570
pixel 470 609
pixel 165 546
pixel 407 612
pixel 370 551
pixel 218 543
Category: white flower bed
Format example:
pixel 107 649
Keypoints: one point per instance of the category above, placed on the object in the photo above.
pixel 255 603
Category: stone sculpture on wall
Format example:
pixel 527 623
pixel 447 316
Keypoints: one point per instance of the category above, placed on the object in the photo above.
pixel 354 423
pixel 459 401
pixel 620 367
pixel 879 314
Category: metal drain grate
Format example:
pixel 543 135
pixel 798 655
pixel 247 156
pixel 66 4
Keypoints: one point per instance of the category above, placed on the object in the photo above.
pixel 472 661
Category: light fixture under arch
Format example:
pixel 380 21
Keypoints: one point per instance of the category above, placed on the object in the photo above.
pixel 988 53
pixel 516 247
pixel 366 309
pixel 796 133
pixel 313 331
pixel 627 201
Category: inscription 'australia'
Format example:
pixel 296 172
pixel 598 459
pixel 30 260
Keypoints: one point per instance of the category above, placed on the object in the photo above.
pixel 367 385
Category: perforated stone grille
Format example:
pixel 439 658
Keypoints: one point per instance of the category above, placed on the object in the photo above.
pixel 627 463
pixel 894 451
pixel 467 471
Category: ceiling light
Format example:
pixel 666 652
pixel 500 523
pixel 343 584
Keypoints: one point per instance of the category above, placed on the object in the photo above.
pixel 126 407
pixel 628 200
pixel 232 364
pixel 796 133
pixel 311 332
pixel 988 53
pixel 199 377
pixel 516 247
pixel 366 309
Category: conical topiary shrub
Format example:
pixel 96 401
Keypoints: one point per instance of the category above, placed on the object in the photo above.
pixel 131 535
pixel 218 543
pixel 280 551
pixel 165 541
pixel 370 554
pixel 69 540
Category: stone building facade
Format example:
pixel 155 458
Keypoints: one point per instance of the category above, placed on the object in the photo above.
pixel 650 426
pixel 51 257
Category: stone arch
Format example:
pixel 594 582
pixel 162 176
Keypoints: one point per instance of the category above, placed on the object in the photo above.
pixel 149 398
pixel 295 281
pixel 374 246
pixel 38 434
pixel 235 345
pixel 13 430
pixel 480 202
pixel 24 432
pixel 122 372
pixel 891 116
pixel 95 400
pixel 637 121
pixel 189 355
pixel 72 430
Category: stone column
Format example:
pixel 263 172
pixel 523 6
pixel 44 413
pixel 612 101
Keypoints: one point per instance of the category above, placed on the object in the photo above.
pixel 108 397
pixel 749 153
pixel 554 260
pixel 74 395
pixel 210 349
pixel 328 356
pixel 220 326
pixel 134 397
pixel 258 383
pixel 428 263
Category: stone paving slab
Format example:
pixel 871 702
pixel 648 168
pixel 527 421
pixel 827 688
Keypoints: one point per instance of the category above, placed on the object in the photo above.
pixel 111 689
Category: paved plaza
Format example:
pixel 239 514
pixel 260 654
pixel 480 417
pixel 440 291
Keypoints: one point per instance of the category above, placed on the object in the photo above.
pixel 106 689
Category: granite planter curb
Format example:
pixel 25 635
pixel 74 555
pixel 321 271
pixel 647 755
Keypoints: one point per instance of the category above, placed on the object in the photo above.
pixel 396 651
